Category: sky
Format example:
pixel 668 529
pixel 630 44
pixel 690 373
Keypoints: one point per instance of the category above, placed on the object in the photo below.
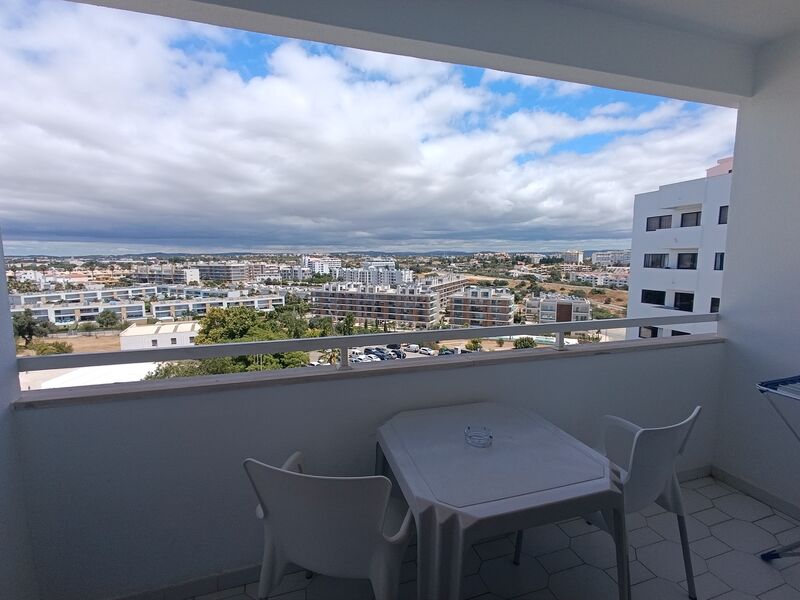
pixel 122 132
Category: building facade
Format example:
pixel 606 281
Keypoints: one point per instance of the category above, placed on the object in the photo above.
pixel 174 309
pixel 161 335
pixel 482 306
pixel 78 312
pixel 416 306
pixel 678 251
pixel 166 274
pixel 83 296
pixel 610 258
pixel 374 276
pixel 555 308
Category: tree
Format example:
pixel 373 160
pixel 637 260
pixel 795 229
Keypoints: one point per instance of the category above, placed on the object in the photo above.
pixel 474 344
pixel 500 342
pixel 524 342
pixel 88 326
pixel 27 327
pixel 347 326
pixel 107 318
pixel 44 348
pixel 330 356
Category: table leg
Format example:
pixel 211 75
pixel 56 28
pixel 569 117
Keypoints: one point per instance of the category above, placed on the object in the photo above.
pixel 621 541
pixel 440 557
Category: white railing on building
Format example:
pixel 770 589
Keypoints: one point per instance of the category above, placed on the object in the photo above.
pixel 344 343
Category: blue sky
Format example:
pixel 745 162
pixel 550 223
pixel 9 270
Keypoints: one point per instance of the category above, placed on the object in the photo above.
pixel 125 132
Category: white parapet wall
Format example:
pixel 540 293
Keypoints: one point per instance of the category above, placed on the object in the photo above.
pixel 151 491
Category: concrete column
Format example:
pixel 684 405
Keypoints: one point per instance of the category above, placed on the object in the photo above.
pixel 16 561
pixel 761 287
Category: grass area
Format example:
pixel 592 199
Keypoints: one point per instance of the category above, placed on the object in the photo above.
pixel 80 343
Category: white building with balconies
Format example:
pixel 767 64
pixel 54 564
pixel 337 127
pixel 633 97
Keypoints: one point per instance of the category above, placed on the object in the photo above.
pixel 678 250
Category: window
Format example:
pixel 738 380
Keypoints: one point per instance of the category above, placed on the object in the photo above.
pixel 173 341
pixel 691 219
pixel 660 222
pixel 676 332
pixel 684 301
pixel 723 215
pixel 719 261
pixel 655 261
pixel 648 332
pixel 714 305
pixel 154 343
pixel 191 340
pixel 687 260
pixel 654 297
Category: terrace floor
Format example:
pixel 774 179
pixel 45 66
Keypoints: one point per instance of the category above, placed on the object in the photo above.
pixel 575 561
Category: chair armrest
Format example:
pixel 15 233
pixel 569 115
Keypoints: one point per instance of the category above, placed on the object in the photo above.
pixel 404 533
pixel 618 438
pixel 294 463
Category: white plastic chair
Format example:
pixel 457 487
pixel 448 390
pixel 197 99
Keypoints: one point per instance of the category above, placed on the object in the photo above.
pixel 646 459
pixel 337 526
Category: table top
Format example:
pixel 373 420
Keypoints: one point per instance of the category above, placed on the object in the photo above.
pixel 529 455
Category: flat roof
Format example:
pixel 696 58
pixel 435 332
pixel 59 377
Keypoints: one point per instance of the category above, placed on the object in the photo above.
pixel 177 327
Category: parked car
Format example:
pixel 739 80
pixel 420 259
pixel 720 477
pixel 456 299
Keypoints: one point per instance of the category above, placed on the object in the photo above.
pixel 446 351
pixel 413 347
pixel 427 351
pixel 393 346
pixel 399 353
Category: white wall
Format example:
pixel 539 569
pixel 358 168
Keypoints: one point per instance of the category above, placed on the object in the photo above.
pixel 148 491
pixel 16 564
pixel 761 290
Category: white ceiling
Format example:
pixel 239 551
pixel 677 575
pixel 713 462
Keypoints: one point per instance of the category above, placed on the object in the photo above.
pixel 751 22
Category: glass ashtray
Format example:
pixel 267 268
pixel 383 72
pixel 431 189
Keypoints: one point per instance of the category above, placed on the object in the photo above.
pixel 479 437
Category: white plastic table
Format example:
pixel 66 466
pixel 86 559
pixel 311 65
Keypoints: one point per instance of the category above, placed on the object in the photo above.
pixel 533 473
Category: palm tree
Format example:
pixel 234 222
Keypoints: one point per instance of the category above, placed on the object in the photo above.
pixel 330 356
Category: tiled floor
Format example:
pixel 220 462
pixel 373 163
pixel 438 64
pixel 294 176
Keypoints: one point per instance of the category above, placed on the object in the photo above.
pixel 575 561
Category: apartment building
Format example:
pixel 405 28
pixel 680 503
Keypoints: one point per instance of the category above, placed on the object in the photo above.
pixel 172 309
pixel 295 273
pixel 482 306
pixel 83 296
pixel 161 335
pixel 321 265
pixel 414 305
pixel 444 285
pixel 678 250
pixel 610 258
pixel 381 262
pixel 228 272
pixel 165 274
pixel 574 257
pixel 613 277
pixel 557 308
pixel 374 275
pixel 69 313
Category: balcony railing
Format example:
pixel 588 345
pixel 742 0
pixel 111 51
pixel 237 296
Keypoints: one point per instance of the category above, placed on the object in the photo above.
pixel 344 343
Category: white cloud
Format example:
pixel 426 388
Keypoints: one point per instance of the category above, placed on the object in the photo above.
pixel 112 131
pixel 547 86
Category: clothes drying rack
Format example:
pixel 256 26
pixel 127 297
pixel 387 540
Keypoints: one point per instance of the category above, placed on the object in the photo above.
pixel 788 387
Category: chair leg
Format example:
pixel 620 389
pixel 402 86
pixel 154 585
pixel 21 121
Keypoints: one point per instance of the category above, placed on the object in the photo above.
pixel 518 547
pixel 687 557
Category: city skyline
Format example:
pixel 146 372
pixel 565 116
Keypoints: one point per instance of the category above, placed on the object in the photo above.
pixel 126 133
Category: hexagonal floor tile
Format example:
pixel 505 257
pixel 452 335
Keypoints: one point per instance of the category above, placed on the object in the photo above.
pixel 745 572
pixel 658 589
pixel 743 507
pixel 665 559
pixel 694 502
pixel 583 583
pixel 559 560
pixel 785 592
pixel 544 540
pixel 506 579
pixel 596 549
pixel 744 536
pixel 708 585
pixel 666 525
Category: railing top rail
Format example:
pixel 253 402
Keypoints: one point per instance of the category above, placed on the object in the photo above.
pixel 65 361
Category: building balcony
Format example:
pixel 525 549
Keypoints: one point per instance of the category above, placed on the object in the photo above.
pixel 138 487
pixel 674 238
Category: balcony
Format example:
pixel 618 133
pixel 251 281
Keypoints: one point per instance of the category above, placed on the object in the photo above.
pixel 165 507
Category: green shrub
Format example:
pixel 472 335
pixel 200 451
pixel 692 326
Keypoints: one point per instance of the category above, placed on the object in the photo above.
pixel 524 342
